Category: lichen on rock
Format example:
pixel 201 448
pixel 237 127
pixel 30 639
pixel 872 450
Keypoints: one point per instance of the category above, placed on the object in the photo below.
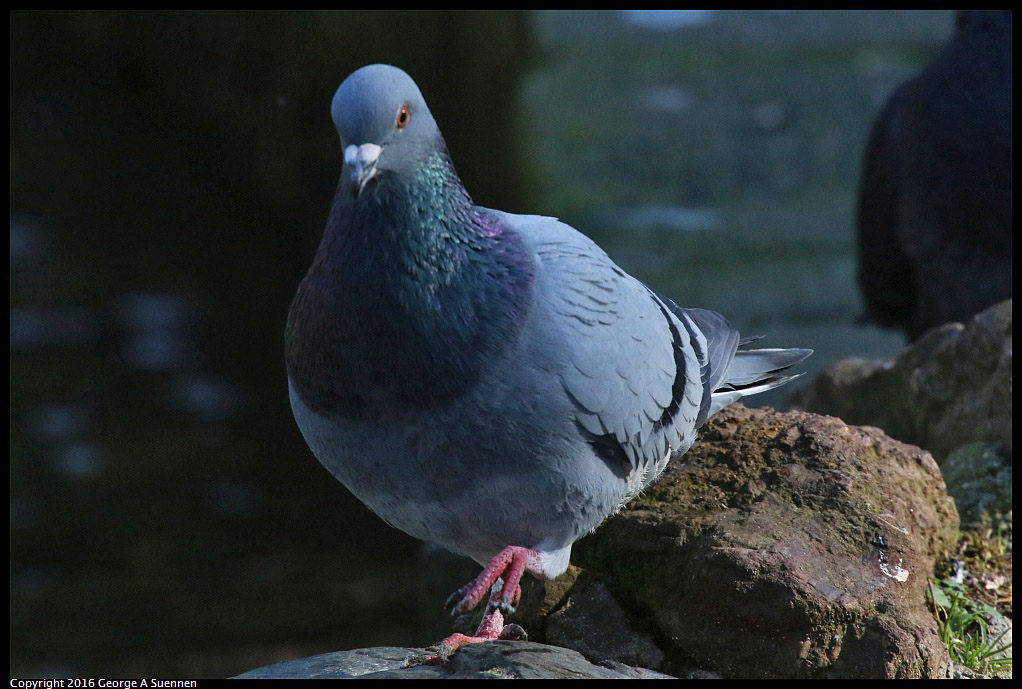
pixel 786 545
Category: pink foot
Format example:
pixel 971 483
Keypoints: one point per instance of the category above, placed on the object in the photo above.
pixel 492 627
pixel 510 564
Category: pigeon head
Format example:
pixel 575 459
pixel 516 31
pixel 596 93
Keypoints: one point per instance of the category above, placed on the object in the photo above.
pixel 384 124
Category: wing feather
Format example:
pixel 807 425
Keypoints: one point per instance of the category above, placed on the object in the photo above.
pixel 633 367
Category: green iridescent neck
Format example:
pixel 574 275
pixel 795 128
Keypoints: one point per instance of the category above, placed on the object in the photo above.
pixel 412 292
pixel 425 227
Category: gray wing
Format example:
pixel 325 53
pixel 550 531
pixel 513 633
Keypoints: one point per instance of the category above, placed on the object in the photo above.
pixel 635 364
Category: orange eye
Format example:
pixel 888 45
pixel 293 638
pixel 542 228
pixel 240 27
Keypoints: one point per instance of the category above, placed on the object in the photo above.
pixel 402 117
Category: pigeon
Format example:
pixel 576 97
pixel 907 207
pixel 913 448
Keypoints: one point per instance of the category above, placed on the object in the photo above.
pixel 490 382
pixel 934 206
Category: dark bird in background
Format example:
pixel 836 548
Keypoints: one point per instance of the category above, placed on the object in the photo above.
pixel 934 211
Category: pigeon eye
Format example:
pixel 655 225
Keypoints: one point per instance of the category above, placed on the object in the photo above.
pixel 402 117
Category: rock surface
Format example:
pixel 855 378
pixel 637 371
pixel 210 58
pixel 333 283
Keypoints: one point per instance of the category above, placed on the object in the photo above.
pixel 492 660
pixel 951 388
pixel 593 623
pixel 787 545
pixel 979 477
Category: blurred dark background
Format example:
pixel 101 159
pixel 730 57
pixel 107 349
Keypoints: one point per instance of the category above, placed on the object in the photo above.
pixel 170 176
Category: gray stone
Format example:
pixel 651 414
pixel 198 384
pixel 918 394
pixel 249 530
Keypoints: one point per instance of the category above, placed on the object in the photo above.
pixel 951 388
pixel 998 624
pixel 491 660
pixel 337 665
pixel 978 476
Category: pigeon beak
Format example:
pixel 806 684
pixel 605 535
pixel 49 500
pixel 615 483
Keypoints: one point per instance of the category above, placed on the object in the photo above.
pixel 362 161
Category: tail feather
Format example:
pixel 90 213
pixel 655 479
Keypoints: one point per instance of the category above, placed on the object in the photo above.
pixel 729 372
pixel 753 371
pixel 750 366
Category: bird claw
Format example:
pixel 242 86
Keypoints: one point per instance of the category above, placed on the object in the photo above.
pixel 465 606
pixel 510 597
pixel 457 600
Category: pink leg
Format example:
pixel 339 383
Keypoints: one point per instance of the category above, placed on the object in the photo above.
pixel 510 564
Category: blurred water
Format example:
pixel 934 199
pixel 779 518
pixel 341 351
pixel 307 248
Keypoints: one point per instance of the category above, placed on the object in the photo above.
pixel 30 246
pixel 158 329
pixel 666 20
pixel 80 460
pixel 206 398
pixel 667 98
pixel 657 218
pixel 73 327
pixel 717 157
pixel 61 420
pixel 236 499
